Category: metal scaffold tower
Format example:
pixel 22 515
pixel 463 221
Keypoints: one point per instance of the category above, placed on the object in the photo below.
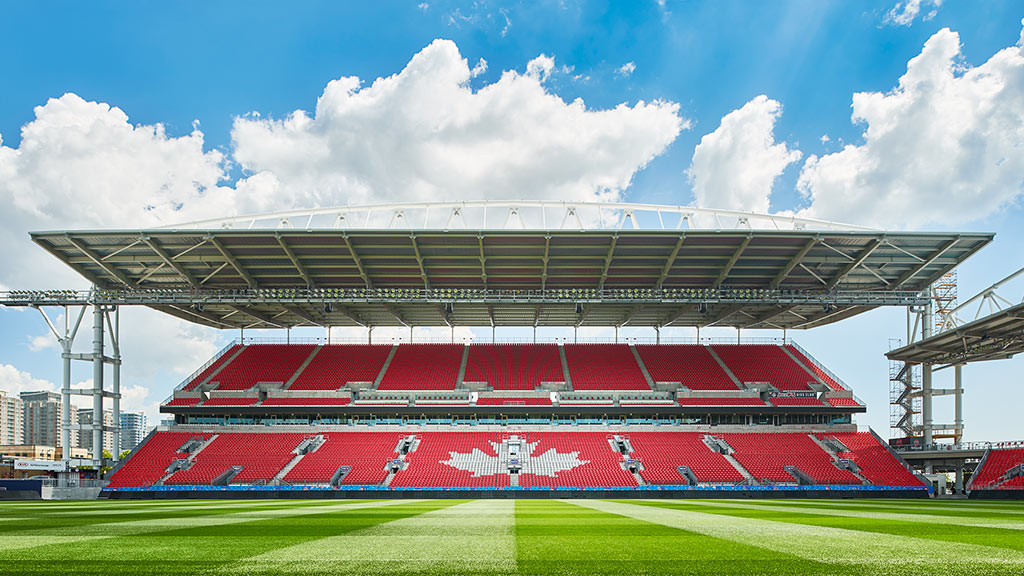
pixel 944 300
pixel 911 392
pixel 904 397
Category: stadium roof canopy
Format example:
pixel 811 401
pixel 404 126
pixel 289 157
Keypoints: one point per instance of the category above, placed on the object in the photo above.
pixel 994 337
pixel 509 264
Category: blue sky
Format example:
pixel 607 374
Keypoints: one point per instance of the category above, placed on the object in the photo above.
pixel 215 64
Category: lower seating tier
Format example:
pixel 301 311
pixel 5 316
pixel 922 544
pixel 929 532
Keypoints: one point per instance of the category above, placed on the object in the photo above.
pixel 995 471
pixel 465 459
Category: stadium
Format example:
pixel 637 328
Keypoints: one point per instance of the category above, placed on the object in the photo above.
pixel 744 417
pixel 534 288
pixel 435 436
pixel 474 439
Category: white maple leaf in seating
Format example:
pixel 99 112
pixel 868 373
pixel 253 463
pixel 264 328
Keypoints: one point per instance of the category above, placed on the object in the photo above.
pixel 480 463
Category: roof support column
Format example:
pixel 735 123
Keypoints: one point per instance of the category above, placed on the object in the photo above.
pixel 65 390
pixel 97 382
pixel 958 414
pixel 65 339
pixel 115 382
pixel 926 377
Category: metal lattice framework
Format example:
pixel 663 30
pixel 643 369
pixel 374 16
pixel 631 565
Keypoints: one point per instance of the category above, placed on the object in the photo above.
pixel 997 335
pixel 599 265
pixel 518 215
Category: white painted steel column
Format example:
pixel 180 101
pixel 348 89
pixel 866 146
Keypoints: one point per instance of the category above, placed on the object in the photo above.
pixel 115 383
pixel 926 377
pixel 65 392
pixel 97 382
pixel 958 402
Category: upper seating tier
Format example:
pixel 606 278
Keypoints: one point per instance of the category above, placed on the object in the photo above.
pixel 423 367
pixel 335 365
pixel 603 367
pixel 764 363
pixel 213 367
pixel 262 363
pixel 514 366
pixel 690 365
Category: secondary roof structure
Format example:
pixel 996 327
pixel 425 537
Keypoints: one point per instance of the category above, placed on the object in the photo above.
pixel 994 337
pixel 544 264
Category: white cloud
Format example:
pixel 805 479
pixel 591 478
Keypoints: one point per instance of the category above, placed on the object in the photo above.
pixel 904 13
pixel 946 146
pixel 508 22
pixel 626 69
pixel 424 134
pixel 85 165
pixel 540 67
pixel 736 166
pixel 14 381
pixel 421 134
pixel 423 6
pixel 479 69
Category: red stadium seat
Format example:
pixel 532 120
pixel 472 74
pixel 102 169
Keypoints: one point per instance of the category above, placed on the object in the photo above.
pixel 335 365
pixel 603 367
pixel 692 366
pixel 423 367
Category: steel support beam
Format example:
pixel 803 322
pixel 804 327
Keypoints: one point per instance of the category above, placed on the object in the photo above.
pixel 181 270
pixel 793 263
pixel 724 273
pixel 121 277
pixel 247 310
pixel 483 262
pixel 306 316
pixel 355 258
pixel 419 260
pixel 857 261
pixel 608 261
pixel 249 280
pixel 629 315
pixel 544 270
pixel 670 262
pixel 911 274
pixel 295 261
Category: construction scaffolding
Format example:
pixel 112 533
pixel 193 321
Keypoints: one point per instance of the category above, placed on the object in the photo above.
pixel 944 300
pixel 904 396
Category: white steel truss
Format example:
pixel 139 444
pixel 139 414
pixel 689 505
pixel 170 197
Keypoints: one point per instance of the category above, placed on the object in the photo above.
pixel 518 215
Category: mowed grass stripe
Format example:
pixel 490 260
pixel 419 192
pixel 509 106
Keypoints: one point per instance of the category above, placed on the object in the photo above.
pixel 75 523
pixel 161 523
pixel 475 537
pixel 915 528
pixel 874 552
pixel 874 514
pixel 559 538
pixel 944 508
pixel 111 509
pixel 202 549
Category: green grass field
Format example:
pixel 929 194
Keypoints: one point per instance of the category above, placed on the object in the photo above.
pixel 512 537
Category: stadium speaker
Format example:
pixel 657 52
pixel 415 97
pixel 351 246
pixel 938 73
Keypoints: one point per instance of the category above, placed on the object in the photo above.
pixel 328 307
pixel 579 308
pixel 449 308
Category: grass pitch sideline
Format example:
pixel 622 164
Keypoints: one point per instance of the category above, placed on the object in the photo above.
pixel 512 537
